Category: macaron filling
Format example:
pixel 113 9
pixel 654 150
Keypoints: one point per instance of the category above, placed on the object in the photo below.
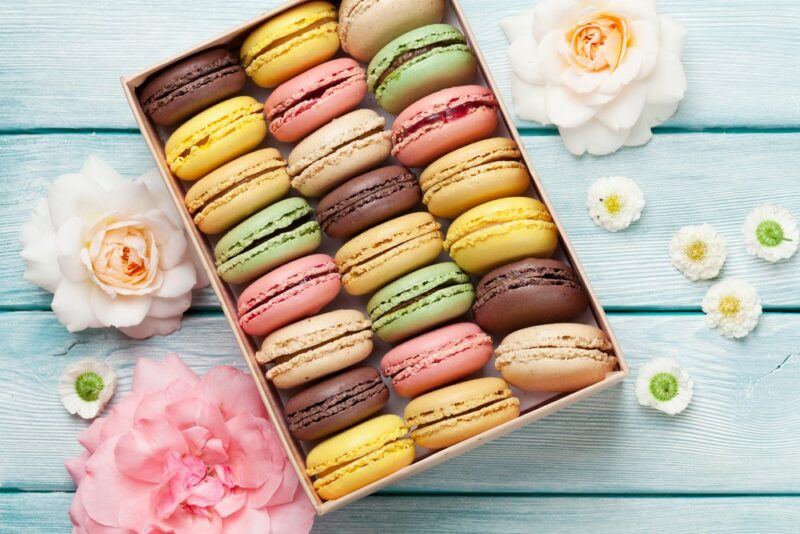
pixel 335 404
pixel 409 56
pixel 329 153
pixel 429 358
pixel 382 317
pixel 494 162
pixel 229 189
pixel 349 459
pixel 526 277
pixel 457 412
pixel 450 112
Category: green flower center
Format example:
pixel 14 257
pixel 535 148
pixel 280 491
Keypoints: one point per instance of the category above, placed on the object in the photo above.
pixel 664 386
pixel 770 233
pixel 88 386
pixel 696 251
pixel 729 306
pixel 613 204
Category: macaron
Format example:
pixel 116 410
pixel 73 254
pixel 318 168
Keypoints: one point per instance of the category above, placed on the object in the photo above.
pixel 336 403
pixel 191 85
pixel 360 456
pixel 452 414
pixel 279 233
pixel 501 231
pixel 290 292
pixel 474 174
pixel 419 300
pixel 365 26
pixel 316 347
pixel 368 200
pixel 438 123
pixel 419 63
pixel 437 358
pixel 237 189
pixel 388 251
pixel 559 357
pixel 290 43
pixel 342 149
pixel 215 136
pixel 311 99
pixel 528 292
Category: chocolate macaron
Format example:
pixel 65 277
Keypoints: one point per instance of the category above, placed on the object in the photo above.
pixel 192 85
pixel 367 200
pixel 336 403
pixel 528 292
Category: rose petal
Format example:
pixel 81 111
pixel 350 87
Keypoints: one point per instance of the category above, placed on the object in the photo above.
pixel 102 173
pixel 639 10
pixel 232 391
pixel 252 460
pixel 246 521
pixel 128 197
pixel 141 453
pixel 553 15
pixel 69 242
pixel 168 308
pixel 261 496
pixel 72 306
pixel 152 326
pixel 530 102
pixel 625 73
pixel 672 35
pixel 592 137
pixel 647 45
pixel 295 517
pixel 288 487
pixel 76 467
pixel 524 59
pixel 193 412
pixel 584 82
pixel 519 25
pixel 199 270
pixel 155 404
pixel 84 524
pixel 38 249
pixel 652 115
pixel 163 200
pixel 75 195
pixel 625 110
pixel 231 503
pixel 154 375
pixel 121 311
pixel 668 82
pixel 177 281
pixel 549 61
pixel 565 109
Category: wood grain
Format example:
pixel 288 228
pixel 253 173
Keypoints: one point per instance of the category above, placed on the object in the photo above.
pixel 443 514
pixel 686 178
pixel 740 61
pixel 745 413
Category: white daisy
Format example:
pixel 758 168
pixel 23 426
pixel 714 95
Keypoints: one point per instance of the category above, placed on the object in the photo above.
pixel 770 232
pixel 615 202
pixel 664 386
pixel 732 306
pixel 698 252
pixel 85 387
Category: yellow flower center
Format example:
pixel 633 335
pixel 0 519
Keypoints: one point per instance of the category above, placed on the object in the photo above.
pixel 696 251
pixel 613 204
pixel 730 306
pixel 599 42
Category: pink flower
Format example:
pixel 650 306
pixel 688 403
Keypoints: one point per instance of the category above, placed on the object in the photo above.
pixel 186 454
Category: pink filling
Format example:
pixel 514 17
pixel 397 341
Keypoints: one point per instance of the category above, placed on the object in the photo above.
pixel 307 98
pixel 424 360
pixel 276 289
pixel 455 109
pixel 302 286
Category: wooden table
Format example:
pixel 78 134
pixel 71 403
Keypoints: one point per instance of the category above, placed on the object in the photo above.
pixel 730 463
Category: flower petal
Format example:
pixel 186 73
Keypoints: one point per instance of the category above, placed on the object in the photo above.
pixel 252 459
pixel 69 243
pixel 565 109
pixel 530 103
pixel 154 375
pixel 76 467
pixel 288 487
pixel 193 412
pixel 158 191
pixel 141 453
pixel 522 54
pixel 645 10
pixel 72 306
pixel 102 173
pixel 293 517
pixel 152 326
pixel 647 45
pixel 550 62
pixel 177 281
pixel 169 308
pixel 582 82
pixel 74 195
pixel 519 25
pixel 121 311
pixel 592 137
pixel 39 249
pixel 668 81
pixel 624 111
pixel 553 15
pixel 232 391
pixel 129 197
pixel 672 35
pixel 246 521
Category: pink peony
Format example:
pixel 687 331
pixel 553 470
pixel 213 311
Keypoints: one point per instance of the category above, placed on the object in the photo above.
pixel 186 454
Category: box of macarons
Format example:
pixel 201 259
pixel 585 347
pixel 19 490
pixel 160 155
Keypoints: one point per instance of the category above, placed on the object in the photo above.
pixel 391 268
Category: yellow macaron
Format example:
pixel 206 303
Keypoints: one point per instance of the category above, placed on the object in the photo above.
pixel 499 232
pixel 359 456
pixel 452 414
pixel 388 251
pixel 477 173
pixel 238 189
pixel 216 136
pixel 291 43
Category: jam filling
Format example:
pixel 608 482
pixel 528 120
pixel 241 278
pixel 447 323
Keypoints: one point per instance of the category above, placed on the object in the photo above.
pixel 309 98
pixel 444 116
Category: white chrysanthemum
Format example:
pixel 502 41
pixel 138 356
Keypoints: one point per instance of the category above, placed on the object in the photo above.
pixel 732 306
pixel 698 252
pixel 664 386
pixel 85 387
pixel 770 232
pixel 615 202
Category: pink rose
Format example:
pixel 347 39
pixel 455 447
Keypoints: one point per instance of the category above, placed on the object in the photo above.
pixel 186 454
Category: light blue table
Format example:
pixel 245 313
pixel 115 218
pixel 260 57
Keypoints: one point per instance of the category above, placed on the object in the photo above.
pixel 730 463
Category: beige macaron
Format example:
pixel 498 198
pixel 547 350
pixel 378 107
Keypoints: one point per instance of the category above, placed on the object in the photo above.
pixel 559 357
pixel 316 347
pixel 347 146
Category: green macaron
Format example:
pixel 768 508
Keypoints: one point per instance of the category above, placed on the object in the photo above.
pixel 419 63
pixel 419 300
pixel 275 235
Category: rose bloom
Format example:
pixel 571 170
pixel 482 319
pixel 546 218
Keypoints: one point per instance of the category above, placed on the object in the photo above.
pixel 186 454
pixel 112 251
pixel 603 71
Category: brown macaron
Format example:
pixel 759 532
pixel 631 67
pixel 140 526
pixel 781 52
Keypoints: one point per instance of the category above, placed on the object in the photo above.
pixel 528 292
pixel 367 200
pixel 336 403
pixel 192 85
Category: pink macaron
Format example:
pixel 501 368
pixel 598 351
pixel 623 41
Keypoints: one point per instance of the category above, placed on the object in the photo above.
pixel 296 290
pixel 442 122
pixel 307 101
pixel 437 358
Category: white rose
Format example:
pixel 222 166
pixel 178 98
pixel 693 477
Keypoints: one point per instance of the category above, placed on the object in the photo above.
pixel 603 71
pixel 112 252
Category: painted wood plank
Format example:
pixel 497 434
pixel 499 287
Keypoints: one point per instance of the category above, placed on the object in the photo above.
pixel 740 435
pixel 687 179
pixel 47 512
pixel 739 61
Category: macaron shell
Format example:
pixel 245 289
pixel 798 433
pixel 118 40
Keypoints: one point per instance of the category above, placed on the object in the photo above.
pixel 556 374
pixel 463 427
pixel 366 26
pixel 312 46
pixel 215 137
pixel 245 192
